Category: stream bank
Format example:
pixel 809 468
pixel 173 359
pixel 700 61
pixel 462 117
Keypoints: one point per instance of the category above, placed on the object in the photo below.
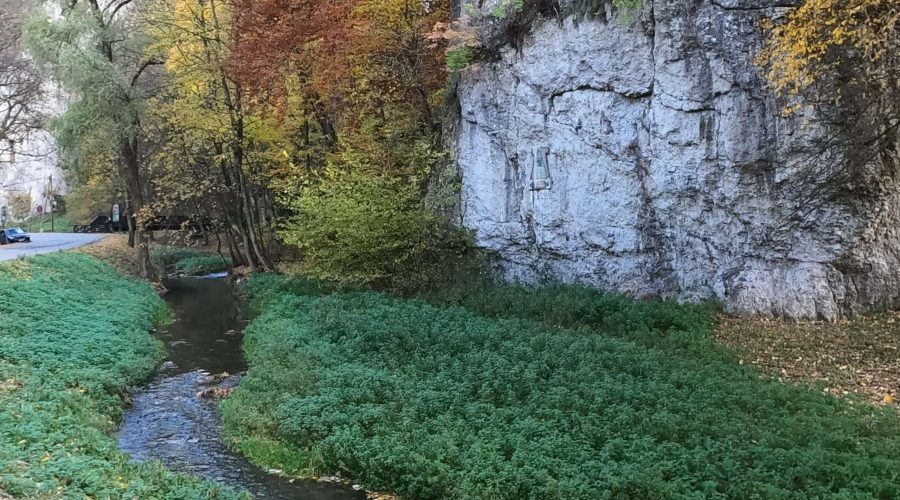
pixel 171 422
pixel 75 337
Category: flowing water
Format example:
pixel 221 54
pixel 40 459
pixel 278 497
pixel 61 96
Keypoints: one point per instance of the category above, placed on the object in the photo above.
pixel 169 422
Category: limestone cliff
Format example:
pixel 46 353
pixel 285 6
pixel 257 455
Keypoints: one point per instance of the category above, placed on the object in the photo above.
pixel 647 156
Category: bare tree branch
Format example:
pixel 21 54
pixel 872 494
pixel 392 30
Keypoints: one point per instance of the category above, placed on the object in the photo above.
pixel 117 8
pixel 144 66
pixel 20 85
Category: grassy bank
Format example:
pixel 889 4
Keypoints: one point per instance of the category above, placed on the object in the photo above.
pixel 206 264
pixel 188 261
pixel 73 339
pixel 495 400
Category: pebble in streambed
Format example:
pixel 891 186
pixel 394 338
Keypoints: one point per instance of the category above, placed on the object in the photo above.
pixel 171 420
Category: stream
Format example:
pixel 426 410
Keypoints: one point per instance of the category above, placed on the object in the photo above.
pixel 170 423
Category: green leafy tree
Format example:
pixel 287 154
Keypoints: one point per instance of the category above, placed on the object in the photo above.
pixel 95 54
pixel 359 227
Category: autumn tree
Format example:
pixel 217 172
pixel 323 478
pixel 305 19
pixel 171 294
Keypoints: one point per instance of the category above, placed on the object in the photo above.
pixel 214 152
pixel 368 73
pixel 20 206
pixel 293 54
pixel 363 84
pixel 274 38
pixel 94 177
pixel 841 59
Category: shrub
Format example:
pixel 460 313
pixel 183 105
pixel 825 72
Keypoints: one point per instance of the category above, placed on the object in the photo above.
pixel 460 58
pixel 73 339
pixel 200 265
pixel 438 402
pixel 361 228
pixel 507 7
pixel 599 8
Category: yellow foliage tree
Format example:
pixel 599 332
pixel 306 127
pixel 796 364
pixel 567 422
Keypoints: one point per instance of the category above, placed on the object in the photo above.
pixel 215 155
pixel 842 59
pixel 821 35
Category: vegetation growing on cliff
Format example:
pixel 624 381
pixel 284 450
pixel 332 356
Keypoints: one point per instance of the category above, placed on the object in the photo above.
pixel 440 402
pixel 841 59
pixel 74 339
pixel 477 35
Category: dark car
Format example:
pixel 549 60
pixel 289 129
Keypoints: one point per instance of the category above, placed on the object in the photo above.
pixel 14 235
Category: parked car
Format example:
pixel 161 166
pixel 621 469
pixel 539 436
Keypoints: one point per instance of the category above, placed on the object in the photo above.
pixel 14 235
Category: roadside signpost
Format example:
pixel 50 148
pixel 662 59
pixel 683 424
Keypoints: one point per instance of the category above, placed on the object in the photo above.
pixel 50 192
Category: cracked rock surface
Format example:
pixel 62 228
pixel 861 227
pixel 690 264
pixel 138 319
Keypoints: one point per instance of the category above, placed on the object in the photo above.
pixel 667 158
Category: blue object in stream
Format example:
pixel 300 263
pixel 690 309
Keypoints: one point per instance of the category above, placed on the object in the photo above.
pixel 223 274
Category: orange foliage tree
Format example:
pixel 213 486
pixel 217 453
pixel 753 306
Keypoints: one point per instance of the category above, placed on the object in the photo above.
pixel 363 84
pixel 363 72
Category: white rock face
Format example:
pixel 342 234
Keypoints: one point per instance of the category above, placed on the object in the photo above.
pixel 667 161
pixel 28 171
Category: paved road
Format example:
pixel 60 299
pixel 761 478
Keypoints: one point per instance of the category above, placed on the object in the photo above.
pixel 46 243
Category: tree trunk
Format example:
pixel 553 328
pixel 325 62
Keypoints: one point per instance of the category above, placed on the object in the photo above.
pixel 133 180
pixel 129 219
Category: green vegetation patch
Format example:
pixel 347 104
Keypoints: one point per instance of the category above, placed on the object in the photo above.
pixel 370 230
pixel 73 339
pixel 188 261
pixel 460 58
pixel 440 402
pixel 167 256
pixel 43 224
pixel 653 323
pixel 196 266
